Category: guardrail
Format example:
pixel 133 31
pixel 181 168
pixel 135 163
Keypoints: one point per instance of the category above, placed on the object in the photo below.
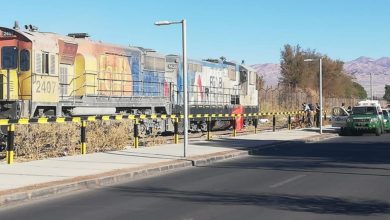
pixel 84 119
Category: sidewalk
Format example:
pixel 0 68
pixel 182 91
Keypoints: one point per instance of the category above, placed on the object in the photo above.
pixel 35 179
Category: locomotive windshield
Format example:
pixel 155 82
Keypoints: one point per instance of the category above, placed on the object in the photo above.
pixel 9 58
pixel 24 60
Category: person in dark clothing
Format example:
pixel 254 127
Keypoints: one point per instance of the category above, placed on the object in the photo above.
pixel 309 114
pixel 318 110
pixel 349 109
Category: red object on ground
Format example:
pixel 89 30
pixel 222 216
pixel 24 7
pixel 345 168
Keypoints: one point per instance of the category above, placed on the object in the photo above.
pixel 239 119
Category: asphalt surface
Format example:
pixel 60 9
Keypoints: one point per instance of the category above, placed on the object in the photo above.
pixel 341 178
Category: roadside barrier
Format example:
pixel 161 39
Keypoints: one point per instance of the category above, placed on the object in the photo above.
pixel 10 144
pixel 10 123
pixel 176 130
pixel 273 123
pixel 209 128
pixel 136 133
pixel 255 124
pixel 83 137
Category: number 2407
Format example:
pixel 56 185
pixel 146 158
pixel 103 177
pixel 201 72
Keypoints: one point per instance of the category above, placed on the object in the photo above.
pixel 45 86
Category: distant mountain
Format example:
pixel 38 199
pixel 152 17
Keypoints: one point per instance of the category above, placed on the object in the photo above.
pixel 269 71
pixel 362 67
pixel 359 69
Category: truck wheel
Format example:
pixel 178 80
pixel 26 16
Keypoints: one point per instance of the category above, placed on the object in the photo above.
pixel 348 132
pixel 378 132
pixel 342 132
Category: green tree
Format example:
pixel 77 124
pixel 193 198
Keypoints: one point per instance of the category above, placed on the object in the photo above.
pixel 361 93
pixel 305 75
pixel 387 93
pixel 291 65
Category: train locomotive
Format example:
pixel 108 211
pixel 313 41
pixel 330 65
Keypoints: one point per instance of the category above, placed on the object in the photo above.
pixel 48 74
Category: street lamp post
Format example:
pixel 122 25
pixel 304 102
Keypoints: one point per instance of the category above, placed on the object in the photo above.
pixel 371 91
pixel 311 60
pixel 185 95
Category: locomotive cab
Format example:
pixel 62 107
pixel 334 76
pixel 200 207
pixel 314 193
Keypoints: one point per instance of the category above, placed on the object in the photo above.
pixel 249 94
pixel 15 63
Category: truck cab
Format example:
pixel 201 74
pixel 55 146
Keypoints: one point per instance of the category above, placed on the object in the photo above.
pixel 366 117
pixel 339 118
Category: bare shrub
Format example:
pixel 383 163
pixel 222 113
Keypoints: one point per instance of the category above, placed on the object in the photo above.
pixel 109 135
pixel 38 141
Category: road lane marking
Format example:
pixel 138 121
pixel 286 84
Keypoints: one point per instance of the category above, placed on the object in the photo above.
pixel 287 181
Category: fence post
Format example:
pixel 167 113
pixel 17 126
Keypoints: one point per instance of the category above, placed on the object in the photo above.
pixel 136 133
pixel 176 130
pixel 289 122
pixel 83 137
pixel 234 127
pixel 209 128
pixel 273 123
pixel 10 144
pixel 255 121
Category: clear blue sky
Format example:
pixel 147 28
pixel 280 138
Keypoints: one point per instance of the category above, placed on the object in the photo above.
pixel 253 30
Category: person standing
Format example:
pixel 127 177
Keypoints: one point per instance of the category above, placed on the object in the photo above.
pixel 343 106
pixel 310 115
pixel 349 109
pixel 318 110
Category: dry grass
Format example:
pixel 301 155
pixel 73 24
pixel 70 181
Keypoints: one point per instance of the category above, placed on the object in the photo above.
pixel 109 135
pixel 39 141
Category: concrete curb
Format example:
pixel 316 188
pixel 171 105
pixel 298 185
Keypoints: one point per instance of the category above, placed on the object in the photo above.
pixel 48 189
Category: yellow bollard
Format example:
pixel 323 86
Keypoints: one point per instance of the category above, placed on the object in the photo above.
pixel 10 144
pixel 209 128
pixel 234 127
pixel 83 137
pixel 136 133
pixel 273 123
pixel 176 130
pixel 255 121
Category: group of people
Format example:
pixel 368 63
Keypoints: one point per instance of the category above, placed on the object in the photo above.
pixel 312 114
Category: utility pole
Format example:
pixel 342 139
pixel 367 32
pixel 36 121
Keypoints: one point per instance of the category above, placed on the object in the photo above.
pixel 371 91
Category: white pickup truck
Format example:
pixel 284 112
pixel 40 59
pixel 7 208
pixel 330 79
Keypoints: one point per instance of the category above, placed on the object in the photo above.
pixel 339 117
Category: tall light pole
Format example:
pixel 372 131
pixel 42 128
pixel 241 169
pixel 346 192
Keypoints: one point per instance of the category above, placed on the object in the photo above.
pixel 185 95
pixel 371 91
pixel 311 60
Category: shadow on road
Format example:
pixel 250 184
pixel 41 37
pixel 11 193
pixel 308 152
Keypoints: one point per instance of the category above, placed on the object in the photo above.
pixel 315 204
pixel 361 153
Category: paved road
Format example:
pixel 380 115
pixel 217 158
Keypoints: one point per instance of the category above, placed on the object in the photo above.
pixel 342 178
